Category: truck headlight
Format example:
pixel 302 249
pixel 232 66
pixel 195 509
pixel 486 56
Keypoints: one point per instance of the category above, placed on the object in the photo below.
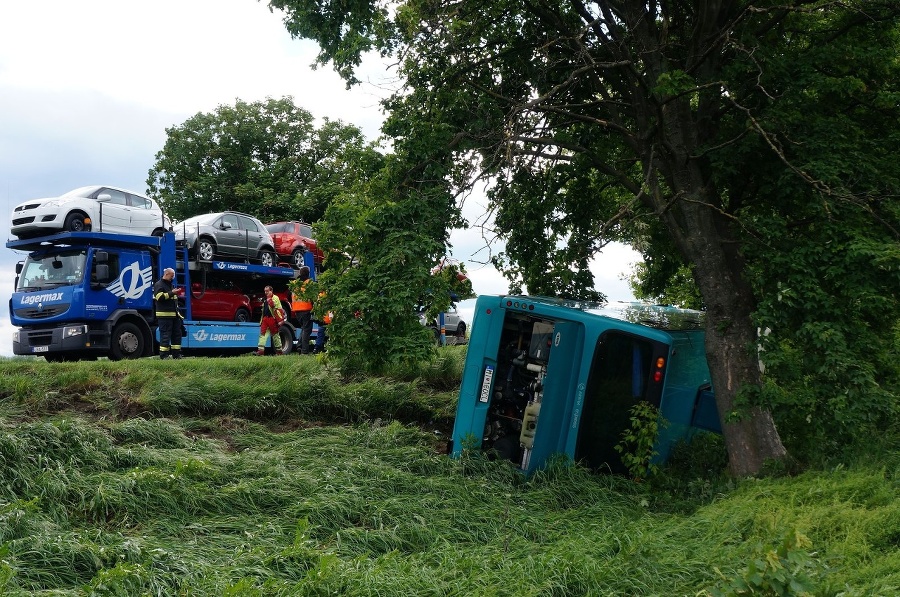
pixel 74 330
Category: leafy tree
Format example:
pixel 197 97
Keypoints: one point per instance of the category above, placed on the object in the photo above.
pixel 655 285
pixel 262 158
pixel 391 232
pixel 745 140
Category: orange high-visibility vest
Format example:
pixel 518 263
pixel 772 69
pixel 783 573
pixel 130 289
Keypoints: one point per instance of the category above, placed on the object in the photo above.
pixel 297 304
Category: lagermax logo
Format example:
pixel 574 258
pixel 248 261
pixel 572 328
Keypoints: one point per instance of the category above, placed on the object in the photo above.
pixel 202 336
pixel 132 282
pixel 31 299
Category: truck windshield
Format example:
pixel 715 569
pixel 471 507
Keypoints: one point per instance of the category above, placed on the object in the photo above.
pixel 50 270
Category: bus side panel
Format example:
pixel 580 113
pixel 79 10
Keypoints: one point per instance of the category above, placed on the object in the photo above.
pixel 478 375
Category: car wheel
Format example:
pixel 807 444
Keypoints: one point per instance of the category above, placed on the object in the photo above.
pixel 76 222
pixel 127 342
pixel 242 314
pixel 206 249
pixel 158 232
pixel 267 258
pixel 298 258
pixel 461 331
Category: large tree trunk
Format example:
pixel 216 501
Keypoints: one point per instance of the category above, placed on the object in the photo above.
pixel 704 232
pixel 731 339
pixel 705 237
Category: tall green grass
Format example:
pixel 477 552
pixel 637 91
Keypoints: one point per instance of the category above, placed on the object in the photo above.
pixel 282 477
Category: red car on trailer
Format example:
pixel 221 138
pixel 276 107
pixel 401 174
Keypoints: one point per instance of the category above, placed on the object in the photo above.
pixel 292 240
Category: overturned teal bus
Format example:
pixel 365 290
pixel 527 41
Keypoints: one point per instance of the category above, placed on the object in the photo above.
pixel 546 376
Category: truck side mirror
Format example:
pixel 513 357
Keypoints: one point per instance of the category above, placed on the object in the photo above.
pixel 102 272
pixel 101 257
pixel 19 267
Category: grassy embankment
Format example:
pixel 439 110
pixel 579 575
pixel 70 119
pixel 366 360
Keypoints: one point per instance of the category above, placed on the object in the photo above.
pixel 249 476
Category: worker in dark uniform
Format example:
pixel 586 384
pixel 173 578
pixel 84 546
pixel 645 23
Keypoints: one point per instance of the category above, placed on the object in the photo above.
pixel 167 317
pixel 302 310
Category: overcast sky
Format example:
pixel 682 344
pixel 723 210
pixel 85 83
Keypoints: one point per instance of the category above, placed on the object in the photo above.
pixel 88 88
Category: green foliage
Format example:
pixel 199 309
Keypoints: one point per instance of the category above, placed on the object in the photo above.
pixel 262 158
pixel 787 570
pixel 674 83
pixel 834 302
pixel 677 289
pixel 346 30
pixel 390 244
pixel 822 251
pixel 639 439
pixel 695 473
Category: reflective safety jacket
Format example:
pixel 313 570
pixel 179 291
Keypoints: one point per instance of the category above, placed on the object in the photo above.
pixel 166 300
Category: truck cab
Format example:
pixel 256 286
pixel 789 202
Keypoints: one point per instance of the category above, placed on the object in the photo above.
pixel 82 294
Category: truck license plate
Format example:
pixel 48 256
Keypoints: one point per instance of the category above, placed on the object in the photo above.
pixel 39 348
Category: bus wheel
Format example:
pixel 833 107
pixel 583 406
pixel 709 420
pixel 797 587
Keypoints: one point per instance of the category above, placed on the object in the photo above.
pixel 127 342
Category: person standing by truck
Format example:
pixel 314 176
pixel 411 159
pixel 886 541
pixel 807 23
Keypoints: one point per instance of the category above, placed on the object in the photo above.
pixel 272 316
pixel 302 310
pixel 165 297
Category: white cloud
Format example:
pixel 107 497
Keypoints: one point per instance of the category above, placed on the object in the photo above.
pixel 176 56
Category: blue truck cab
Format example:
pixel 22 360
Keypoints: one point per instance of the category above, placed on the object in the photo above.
pixel 81 295
pixel 545 376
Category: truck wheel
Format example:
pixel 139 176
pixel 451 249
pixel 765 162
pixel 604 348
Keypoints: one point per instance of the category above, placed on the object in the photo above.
pixel 297 259
pixel 75 222
pixel 127 342
pixel 267 258
pixel 206 249
pixel 287 340
pixel 242 314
